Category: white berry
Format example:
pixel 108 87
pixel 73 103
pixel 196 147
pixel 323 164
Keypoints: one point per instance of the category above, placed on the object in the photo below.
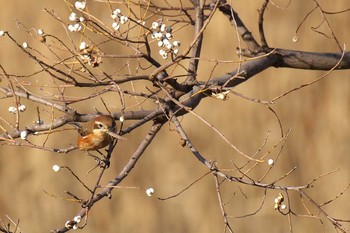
pixel 149 192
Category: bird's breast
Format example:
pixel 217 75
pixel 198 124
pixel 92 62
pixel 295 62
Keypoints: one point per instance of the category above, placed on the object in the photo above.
pixel 93 141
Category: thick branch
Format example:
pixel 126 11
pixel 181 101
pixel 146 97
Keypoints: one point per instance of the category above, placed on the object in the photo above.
pixel 245 71
pixel 9 93
pixel 277 58
pixel 312 60
pixel 144 115
pixel 243 31
pixel 196 50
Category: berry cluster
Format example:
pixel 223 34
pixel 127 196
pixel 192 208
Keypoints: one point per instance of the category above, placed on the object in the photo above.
pixel 13 110
pixel 118 19
pixel 279 202
pixel 163 34
pixel 76 25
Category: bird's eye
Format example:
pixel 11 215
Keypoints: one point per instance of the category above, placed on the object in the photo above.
pixel 100 126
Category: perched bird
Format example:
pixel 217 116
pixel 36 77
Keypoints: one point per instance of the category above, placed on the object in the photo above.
pixel 98 133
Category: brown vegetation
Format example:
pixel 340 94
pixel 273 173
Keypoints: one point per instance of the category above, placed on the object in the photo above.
pixel 201 125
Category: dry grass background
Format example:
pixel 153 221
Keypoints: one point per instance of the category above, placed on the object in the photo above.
pixel 318 143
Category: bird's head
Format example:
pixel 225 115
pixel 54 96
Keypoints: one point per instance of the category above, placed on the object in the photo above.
pixel 105 124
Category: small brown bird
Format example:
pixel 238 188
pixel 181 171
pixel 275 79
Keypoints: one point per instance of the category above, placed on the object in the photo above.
pixel 98 133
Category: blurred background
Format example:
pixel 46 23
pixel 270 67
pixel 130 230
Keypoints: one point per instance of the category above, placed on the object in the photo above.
pixel 317 115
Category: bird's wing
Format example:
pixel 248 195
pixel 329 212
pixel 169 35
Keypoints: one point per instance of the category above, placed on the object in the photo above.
pixel 83 130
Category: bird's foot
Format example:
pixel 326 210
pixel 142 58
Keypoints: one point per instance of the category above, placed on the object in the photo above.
pixel 104 163
pixel 101 163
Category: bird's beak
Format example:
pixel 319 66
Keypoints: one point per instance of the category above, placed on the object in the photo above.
pixel 115 135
